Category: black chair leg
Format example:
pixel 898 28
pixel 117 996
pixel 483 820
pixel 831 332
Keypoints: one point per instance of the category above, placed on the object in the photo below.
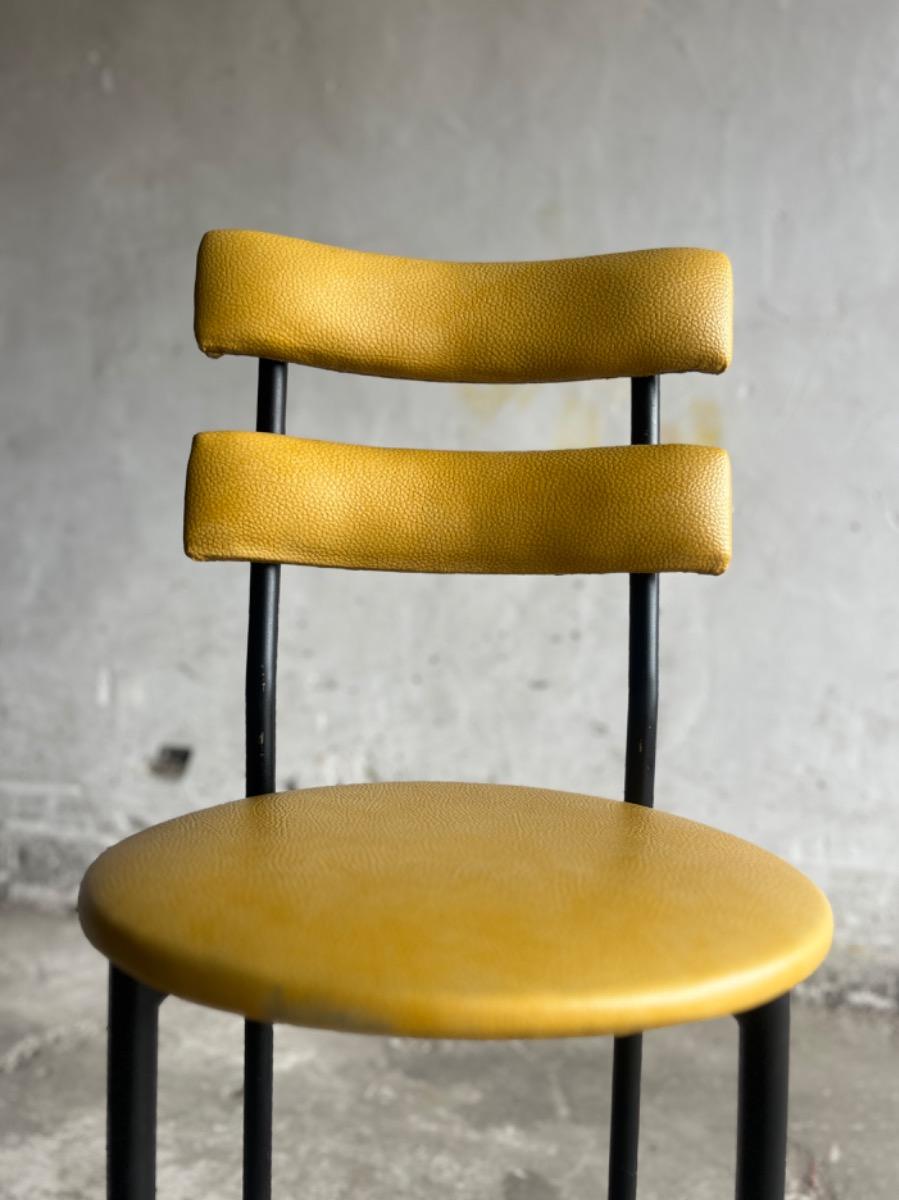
pixel 624 1135
pixel 257 1111
pixel 762 1109
pixel 131 1089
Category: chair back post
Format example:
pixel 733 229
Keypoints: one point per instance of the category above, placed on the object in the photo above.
pixel 643 631
pixel 643 636
pixel 261 678
pixel 639 780
pixel 265 584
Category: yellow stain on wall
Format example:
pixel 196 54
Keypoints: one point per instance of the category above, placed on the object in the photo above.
pixel 549 216
pixel 486 400
pixel 669 431
pixel 578 421
pixel 707 421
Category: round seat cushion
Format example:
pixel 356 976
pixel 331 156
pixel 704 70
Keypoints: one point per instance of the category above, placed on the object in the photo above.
pixel 454 910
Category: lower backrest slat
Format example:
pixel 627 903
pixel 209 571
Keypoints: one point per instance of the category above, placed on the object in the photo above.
pixel 261 497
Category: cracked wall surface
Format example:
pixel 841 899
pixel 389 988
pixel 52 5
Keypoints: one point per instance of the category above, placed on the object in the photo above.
pixel 467 130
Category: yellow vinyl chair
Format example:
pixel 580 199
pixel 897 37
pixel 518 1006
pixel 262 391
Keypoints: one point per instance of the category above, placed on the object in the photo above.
pixel 454 910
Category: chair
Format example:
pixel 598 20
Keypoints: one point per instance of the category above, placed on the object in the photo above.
pixel 454 910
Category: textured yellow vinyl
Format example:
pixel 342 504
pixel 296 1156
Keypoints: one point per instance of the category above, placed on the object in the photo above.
pixel 646 312
pixel 263 497
pixel 454 910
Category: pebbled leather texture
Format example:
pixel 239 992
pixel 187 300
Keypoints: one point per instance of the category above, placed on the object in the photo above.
pixel 647 312
pixel 263 497
pixel 454 910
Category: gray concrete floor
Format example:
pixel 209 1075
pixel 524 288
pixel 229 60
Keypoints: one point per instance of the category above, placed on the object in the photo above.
pixel 386 1118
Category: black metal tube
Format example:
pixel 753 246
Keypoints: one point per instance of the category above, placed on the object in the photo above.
pixel 262 640
pixel 624 1137
pixel 131 1088
pixel 262 661
pixel 643 691
pixel 639 779
pixel 763 1095
pixel 261 681
pixel 643 638
pixel 258 1057
pixel 645 411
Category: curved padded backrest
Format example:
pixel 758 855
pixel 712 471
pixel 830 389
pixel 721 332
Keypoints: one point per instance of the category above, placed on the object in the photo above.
pixel 648 312
pixel 262 497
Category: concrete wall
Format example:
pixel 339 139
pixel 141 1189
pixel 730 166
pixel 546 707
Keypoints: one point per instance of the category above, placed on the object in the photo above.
pixel 469 129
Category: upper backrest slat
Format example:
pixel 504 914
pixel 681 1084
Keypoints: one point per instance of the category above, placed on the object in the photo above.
pixel 647 312
pixel 262 497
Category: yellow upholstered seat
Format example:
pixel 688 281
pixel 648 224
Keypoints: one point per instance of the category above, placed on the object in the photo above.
pixel 454 909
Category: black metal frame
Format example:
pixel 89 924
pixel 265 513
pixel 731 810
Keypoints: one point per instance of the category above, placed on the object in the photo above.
pixel 639 781
pixel 765 1031
pixel 131 1089
pixel 261 694
pixel 134 1008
